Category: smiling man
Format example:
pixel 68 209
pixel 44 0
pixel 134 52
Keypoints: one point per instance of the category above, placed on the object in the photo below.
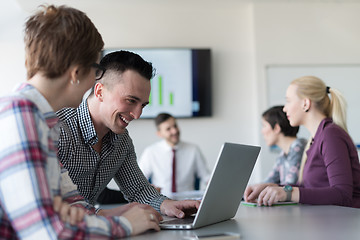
pixel 173 164
pixel 95 145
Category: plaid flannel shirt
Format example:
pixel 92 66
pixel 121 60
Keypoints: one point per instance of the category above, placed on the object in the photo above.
pixel 30 175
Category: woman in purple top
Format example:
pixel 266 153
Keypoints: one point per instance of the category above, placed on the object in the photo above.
pixel 330 172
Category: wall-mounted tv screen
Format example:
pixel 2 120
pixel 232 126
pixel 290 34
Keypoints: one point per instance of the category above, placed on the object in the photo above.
pixel 182 84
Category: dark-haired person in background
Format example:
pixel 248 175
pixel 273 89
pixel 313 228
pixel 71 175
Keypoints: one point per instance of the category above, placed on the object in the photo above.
pixel 95 145
pixel 276 130
pixel 157 159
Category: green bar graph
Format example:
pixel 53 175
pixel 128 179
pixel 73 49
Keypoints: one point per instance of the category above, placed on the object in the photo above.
pixel 171 98
pixel 160 93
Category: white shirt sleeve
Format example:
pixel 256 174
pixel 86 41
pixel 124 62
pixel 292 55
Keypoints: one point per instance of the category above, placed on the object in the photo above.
pixel 145 163
pixel 202 170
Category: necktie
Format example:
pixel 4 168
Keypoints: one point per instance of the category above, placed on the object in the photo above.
pixel 173 185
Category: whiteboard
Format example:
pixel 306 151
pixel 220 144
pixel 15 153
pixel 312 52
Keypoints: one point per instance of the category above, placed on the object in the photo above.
pixel 344 77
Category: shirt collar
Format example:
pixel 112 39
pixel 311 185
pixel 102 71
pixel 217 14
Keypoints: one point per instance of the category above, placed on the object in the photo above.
pixel 86 125
pixel 31 93
pixel 292 145
pixel 167 146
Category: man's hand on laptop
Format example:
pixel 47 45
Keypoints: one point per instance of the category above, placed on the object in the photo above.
pixel 179 209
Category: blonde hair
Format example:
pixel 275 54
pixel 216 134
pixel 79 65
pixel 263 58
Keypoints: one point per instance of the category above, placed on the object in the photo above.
pixel 334 106
pixel 315 89
pixel 303 160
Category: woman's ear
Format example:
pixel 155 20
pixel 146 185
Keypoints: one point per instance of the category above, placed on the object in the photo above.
pixel 74 74
pixel 277 128
pixel 307 104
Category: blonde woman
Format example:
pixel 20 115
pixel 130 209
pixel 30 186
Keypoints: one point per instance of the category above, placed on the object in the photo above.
pixel 331 171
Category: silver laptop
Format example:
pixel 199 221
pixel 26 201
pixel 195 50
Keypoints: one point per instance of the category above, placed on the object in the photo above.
pixel 224 190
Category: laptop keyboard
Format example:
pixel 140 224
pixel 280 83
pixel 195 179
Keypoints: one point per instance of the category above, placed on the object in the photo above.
pixel 186 220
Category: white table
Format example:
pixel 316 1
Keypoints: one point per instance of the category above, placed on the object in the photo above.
pixel 299 222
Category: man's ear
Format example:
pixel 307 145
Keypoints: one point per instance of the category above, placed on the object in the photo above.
pixel 98 91
pixel 158 133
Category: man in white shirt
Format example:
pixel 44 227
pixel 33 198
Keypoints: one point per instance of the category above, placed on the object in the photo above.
pixel 156 161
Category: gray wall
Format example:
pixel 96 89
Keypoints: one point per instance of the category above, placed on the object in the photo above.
pixel 245 36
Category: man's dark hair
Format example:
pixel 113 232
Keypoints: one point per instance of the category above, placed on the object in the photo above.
pixel 162 117
pixel 125 60
pixel 120 61
pixel 276 115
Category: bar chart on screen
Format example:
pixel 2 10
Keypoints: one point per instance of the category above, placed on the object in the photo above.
pixel 171 87
pixel 163 98
pixel 160 99
pixel 182 82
